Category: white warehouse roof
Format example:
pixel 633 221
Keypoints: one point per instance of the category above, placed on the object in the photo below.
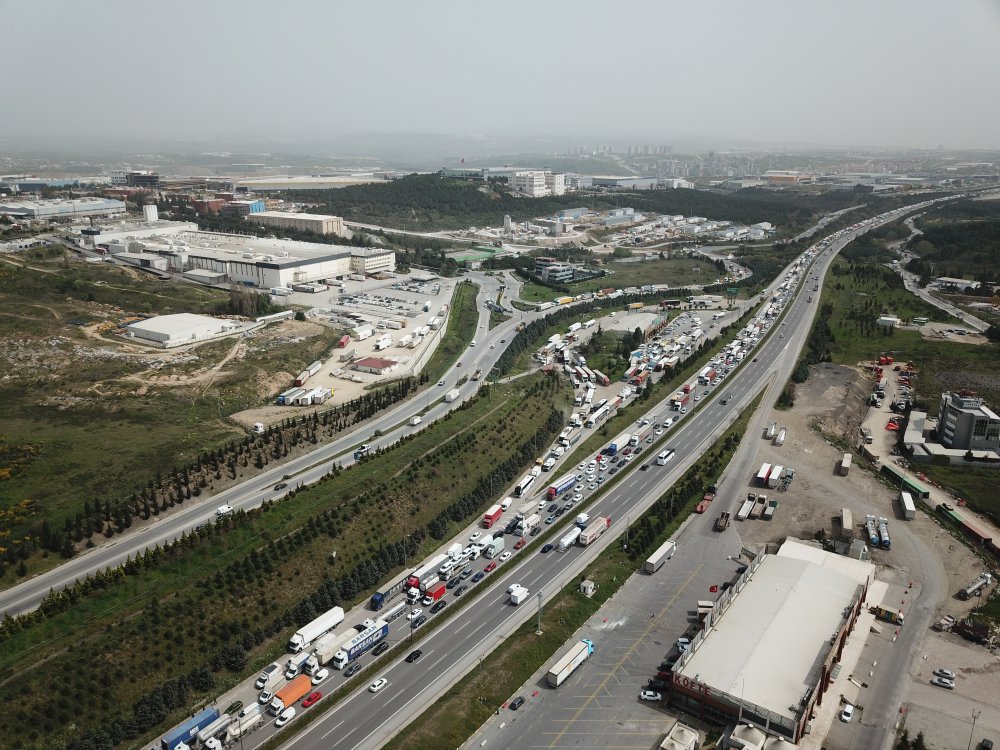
pixel 182 328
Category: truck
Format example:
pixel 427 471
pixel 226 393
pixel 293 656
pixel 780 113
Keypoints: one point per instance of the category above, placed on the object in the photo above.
pixel 415 420
pixel 521 488
pixel 845 465
pixel 569 540
pixel 560 486
pixel 427 574
pixel 944 624
pixel 872 530
pixel 772 429
pixel 889 614
pixel 518 594
pixel 494 548
pixel 568 662
pixel 907 506
pixel 360 643
pixel 706 500
pixel 548 463
pixel 434 593
pixel 477 374
pixel 452 395
pixel 883 533
pixel 188 731
pixel 491 516
pixel 290 694
pixel 296 664
pixel 594 530
pixel 324 649
pixel 707 376
pixel 772 506
pixel 310 632
pixel 774 478
pixel 763 474
pixel 679 400
pixel 758 507
pixel 663 553
pixel 846 524
pixel 382 596
pixel 780 439
pixel 527 524
pixel 747 506
pixel 281 291
pixel 525 510
pixel 977 587
pixel 244 723
pixel 618 444
pixel 582 520
pixel 722 522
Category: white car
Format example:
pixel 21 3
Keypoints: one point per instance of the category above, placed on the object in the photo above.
pixel 415 614
pixel 320 676
pixel 847 714
pixel 683 644
pixel 224 510
pixel 542 504
pixel 649 695
pixel 505 556
pixel 659 431
pixel 380 683
pixel 475 535
pixel 577 498
pixel 285 716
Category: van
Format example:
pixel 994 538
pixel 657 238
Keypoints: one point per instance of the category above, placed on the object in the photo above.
pixel 267 676
pixel 473 342
pixel 505 503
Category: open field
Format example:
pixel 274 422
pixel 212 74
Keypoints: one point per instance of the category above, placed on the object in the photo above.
pixel 255 575
pixel 462 320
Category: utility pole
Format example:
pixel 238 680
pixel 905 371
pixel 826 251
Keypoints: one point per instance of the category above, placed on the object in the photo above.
pixel 975 715
pixel 538 629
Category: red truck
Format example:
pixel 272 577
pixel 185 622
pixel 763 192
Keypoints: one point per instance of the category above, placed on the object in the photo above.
pixel 434 593
pixel 679 400
pixel 491 516
pixel 686 388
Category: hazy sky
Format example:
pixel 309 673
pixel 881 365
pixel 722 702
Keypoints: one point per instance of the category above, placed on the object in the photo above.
pixel 844 72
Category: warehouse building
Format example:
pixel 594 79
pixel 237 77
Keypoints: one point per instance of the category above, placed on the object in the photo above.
pixel 625 183
pixel 62 208
pixel 771 644
pixel 183 328
pixel 318 223
pixel 375 365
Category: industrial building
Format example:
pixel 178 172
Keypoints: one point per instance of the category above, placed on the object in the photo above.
pixel 244 207
pixel 966 423
pixel 529 183
pixel 62 208
pixel 375 365
pixel 318 223
pixel 630 183
pixel 22 184
pixel 771 644
pixel 183 328
pixel 135 178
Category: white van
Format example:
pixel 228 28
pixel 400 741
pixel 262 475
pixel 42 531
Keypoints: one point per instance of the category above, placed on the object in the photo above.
pixel 505 503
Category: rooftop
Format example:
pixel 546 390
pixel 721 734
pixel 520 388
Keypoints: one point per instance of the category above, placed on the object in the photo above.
pixel 179 325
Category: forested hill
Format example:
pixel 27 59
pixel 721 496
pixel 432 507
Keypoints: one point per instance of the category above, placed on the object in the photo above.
pixel 432 202
pixel 961 240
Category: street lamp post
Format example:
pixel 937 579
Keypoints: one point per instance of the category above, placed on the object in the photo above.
pixel 975 715
pixel 538 629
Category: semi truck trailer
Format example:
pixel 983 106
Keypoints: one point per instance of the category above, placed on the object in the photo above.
pixel 568 662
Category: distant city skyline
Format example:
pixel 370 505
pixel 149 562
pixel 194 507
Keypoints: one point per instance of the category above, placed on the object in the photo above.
pixel 916 74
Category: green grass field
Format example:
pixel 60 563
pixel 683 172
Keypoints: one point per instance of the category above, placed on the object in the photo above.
pixel 462 321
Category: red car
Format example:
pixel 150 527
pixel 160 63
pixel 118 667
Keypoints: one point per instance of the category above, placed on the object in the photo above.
pixel 312 698
pixel 490 568
pixel 520 543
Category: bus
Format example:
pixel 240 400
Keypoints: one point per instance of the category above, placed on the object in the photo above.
pixel 523 485
pixel 661 460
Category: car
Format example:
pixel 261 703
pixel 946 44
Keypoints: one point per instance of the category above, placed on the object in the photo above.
pixel 704 392
pixel 943 683
pixel 621 463
pixel 418 622
pixel 380 683
pixel 503 341
pixel 546 549
pixel 946 673
pixel 320 676
pixel 552 508
pixel 224 510
pixel 311 699
pixel 453 582
pixel 576 498
pixel 697 397
pixel 626 451
pixel 637 450
pixel 459 364
pixel 475 535
pixel 614 470
pixel 657 685
pixel 516 703
pixel 847 714
pixel 266 696
pixel 440 382
pixel 506 556
pixel 520 543
pixel 536 531
pixel 461 590
pixel 478 577
pixel 725 401
pixel 413 656
pixel 466 573
pixel 550 519
pixel 380 648
pixel 669 663
pixel 234 707
pixel 285 716
pixel 417 611
pixel 683 644
pixel 438 606
pixel 280 486
pixel 353 669
pixel 649 695
pixel 582 466
pixel 592 486
pixel 684 410
pixel 600 479
pixel 644 467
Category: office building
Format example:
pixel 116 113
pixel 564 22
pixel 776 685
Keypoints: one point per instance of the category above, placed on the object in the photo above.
pixel 966 423
pixel 140 179
pixel 318 223
pixel 555 183
pixel 62 208
pixel 529 183
pixel 244 207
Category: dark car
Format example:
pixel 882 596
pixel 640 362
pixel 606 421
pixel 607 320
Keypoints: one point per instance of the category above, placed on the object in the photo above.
pixel 668 664
pixel 461 590
pixel 438 607
pixel 478 577
pixel 547 548
pixel 644 467
pixel 657 685
pixel 453 582
pixel 466 573
pixel 726 585
pixel 414 655
pixel 510 528
pixel 516 703
pixel 380 648
pixel 280 486
pixel 418 622
pixel 559 512
pixel 552 508
pixel 536 531
pixel 614 470
pixel 353 669
pixel 234 707
pixel 621 463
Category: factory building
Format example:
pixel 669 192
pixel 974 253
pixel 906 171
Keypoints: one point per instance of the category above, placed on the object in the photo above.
pixel 771 645
pixel 140 178
pixel 966 423
pixel 244 207
pixel 529 183
pixel 622 183
pixel 184 328
pixel 62 208
pixel 318 223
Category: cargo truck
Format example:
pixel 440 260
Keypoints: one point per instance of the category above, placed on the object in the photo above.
pixel 427 574
pixel 618 444
pixel 324 649
pixel 434 593
pixel 655 561
pixel 452 395
pixel 188 731
pixel 309 633
pixel 568 662
pixel 977 587
pixel 722 522
pixel 679 400
pixel 569 540
pixel 748 505
pixel 518 594
pixel 290 694
pixel 594 530
pixel 295 664
pixel 560 486
pixel 762 475
pixel 214 729
pixel 415 420
pixel 889 614
pixel 491 516
pixel 907 506
pixel 774 478
pixel 772 429
pixel 845 465
pixel 525 510
pixel 758 507
pixel 780 440
pixel 381 597
pixel 360 643
pixel 582 520
pixel 244 723
pixel 772 506
pixel 527 524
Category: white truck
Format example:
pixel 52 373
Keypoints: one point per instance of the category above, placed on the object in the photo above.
pixel 570 539
pixel 518 594
pixel 247 720
pixel 527 524
pixel 310 632
pixel 568 662
pixel 452 395
pixel 582 520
